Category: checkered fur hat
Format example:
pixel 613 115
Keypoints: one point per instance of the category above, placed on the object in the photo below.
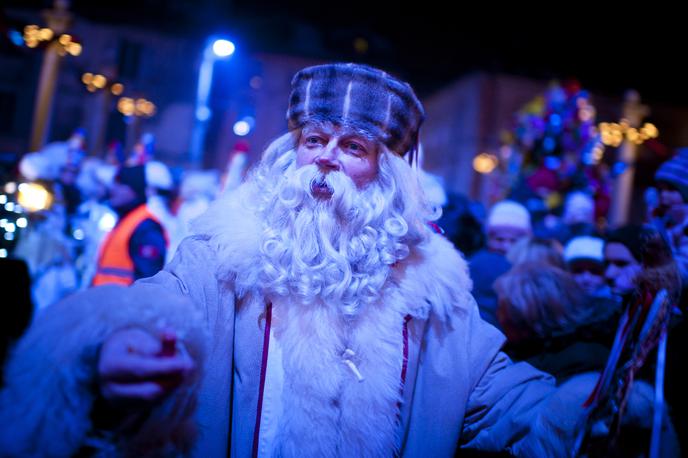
pixel 361 97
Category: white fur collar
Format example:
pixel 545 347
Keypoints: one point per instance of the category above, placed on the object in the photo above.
pixel 433 279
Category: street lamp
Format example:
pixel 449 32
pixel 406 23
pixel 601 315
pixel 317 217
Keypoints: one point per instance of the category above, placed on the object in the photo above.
pixel 215 49
pixel 57 45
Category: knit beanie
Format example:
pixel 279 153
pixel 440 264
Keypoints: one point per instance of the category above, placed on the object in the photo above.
pixel 584 247
pixel 359 96
pixel 508 213
pixel 675 172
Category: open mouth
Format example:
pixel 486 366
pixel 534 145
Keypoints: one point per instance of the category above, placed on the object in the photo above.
pixel 321 189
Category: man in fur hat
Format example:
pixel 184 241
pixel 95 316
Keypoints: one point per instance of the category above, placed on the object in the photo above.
pixel 314 313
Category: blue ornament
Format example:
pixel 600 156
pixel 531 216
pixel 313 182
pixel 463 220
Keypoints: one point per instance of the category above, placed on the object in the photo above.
pixel 618 168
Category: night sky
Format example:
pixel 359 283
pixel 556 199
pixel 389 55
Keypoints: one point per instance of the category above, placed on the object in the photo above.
pixel 608 51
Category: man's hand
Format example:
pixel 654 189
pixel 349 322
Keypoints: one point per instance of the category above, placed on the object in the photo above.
pixel 134 366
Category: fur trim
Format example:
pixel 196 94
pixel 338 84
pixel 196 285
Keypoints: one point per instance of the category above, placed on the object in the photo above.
pixel 354 418
pixel 50 386
pixel 234 230
pixel 433 279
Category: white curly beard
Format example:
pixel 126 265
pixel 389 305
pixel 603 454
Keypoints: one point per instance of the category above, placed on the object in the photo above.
pixel 325 240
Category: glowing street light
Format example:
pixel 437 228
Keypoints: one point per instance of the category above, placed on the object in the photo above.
pixel 215 49
pixel 223 48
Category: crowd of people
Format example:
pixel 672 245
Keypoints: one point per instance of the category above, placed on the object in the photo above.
pixel 320 308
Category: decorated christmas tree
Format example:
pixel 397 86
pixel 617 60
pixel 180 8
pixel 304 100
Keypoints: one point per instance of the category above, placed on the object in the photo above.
pixel 553 149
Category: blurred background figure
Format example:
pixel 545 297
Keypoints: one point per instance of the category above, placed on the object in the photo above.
pixel 584 258
pixel 433 188
pixel 234 174
pixel 137 245
pixel 507 223
pixel 160 196
pixel 628 259
pixel 670 216
pixel 94 218
pixel 536 249
pixel 47 244
pixel 578 217
pixel 198 189
pixel 462 221
pixel 548 322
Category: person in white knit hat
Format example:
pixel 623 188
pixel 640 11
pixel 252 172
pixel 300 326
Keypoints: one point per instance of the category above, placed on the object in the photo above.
pixel 507 223
pixel 584 258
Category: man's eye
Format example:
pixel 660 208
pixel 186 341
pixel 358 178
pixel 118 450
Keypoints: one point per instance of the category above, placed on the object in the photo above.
pixel 356 148
pixel 313 140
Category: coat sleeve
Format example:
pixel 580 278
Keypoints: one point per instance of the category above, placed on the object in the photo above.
pixel 515 407
pixel 50 379
pixel 147 249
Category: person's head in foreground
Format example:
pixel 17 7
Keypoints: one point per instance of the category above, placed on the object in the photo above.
pixel 339 202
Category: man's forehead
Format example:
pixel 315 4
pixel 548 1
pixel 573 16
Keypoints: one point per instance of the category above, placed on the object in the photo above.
pixel 330 128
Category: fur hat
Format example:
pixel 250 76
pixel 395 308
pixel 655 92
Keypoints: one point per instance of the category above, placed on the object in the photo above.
pixel 359 96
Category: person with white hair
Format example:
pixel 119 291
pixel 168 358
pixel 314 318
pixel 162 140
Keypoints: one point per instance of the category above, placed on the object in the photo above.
pixel 313 313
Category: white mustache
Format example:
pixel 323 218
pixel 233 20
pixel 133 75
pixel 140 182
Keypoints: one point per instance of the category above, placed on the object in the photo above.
pixel 317 183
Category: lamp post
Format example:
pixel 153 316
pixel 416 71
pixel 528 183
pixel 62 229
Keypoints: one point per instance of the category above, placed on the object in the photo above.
pixel 59 44
pixel 628 134
pixel 215 49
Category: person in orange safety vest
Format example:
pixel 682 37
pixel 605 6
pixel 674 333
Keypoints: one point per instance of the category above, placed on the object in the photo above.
pixel 137 245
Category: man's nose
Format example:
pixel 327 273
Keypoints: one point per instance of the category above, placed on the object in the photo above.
pixel 327 161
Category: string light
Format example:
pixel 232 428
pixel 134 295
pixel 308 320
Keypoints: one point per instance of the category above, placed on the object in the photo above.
pixel 136 107
pixel 613 134
pixel 34 36
pixel 485 163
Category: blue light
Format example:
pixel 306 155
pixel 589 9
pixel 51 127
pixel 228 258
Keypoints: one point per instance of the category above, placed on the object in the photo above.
pixel 203 113
pixel 223 48
pixel 241 128
pixel 16 37
pixel 549 144
pixel 618 168
pixel 552 162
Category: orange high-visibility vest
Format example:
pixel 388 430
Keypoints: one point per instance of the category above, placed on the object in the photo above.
pixel 114 262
